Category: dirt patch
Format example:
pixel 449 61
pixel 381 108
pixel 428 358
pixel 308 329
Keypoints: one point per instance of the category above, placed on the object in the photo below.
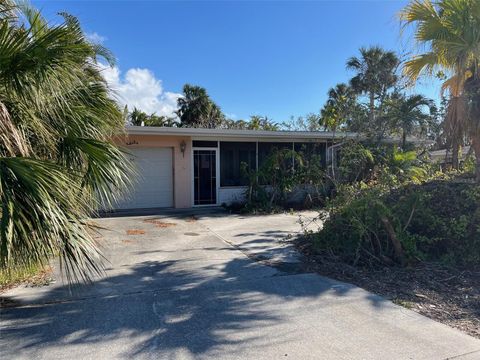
pixel 445 294
pixel 127 241
pixel 159 223
pixel 135 232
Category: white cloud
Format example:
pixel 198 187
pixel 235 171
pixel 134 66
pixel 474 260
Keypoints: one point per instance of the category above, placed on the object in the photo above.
pixel 95 38
pixel 141 89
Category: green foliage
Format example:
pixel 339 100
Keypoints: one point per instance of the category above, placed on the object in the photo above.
pixel 137 117
pixel 57 162
pixel 281 175
pixel 339 107
pixel 255 123
pixel 356 162
pixel 197 109
pixel 434 221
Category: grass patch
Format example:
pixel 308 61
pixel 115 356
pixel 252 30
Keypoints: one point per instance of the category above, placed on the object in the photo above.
pixel 34 275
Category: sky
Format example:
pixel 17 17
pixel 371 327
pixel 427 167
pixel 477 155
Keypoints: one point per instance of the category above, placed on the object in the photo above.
pixel 272 58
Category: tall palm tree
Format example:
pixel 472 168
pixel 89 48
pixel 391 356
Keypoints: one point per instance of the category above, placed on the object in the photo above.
pixel 408 114
pixel 57 163
pixel 449 30
pixel 375 74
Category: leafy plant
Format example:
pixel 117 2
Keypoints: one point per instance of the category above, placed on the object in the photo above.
pixel 57 162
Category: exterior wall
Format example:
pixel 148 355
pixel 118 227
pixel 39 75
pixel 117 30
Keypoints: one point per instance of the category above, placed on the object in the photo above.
pixel 229 195
pixel 183 167
pixel 182 163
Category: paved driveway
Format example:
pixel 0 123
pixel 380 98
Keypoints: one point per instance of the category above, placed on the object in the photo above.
pixel 215 287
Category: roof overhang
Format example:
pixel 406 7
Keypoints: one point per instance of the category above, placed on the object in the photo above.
pixel 233 133
pixel 202 133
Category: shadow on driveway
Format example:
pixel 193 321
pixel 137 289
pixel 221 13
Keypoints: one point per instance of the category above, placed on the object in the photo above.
pixel 183 310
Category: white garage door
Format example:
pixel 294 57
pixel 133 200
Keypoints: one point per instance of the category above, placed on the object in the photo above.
pixel 154 185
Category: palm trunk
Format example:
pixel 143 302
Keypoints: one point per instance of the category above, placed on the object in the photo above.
pixel 404 140
pixel 455 151
pixel 371 115
pixel 476 148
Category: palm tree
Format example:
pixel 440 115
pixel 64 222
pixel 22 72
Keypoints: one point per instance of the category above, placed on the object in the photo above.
pixel 195 108
pixel 57 163
pixel 338 108
pixel 375 74
pixel 407 113
pixel 449 32
pixel 138 117
pixel 261 123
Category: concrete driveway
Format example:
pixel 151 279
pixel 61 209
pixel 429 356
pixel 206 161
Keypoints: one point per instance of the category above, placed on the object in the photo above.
pixel 215 286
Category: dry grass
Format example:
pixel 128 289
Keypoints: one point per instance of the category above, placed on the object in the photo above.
pixel 32 275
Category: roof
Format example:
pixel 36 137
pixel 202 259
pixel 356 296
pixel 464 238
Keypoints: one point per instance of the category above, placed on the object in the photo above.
pixel 281 135
pixel 234 133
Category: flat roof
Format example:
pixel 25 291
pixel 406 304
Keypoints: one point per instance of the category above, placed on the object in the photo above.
pixel 234 133
pixel 280 135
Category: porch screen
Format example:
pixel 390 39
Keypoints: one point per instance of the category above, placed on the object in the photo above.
pixel 232 154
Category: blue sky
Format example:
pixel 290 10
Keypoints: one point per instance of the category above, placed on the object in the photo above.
pixel 273 58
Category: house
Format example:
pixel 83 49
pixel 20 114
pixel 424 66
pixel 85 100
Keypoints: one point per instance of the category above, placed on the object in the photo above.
pixel 443 157
pixel 186 167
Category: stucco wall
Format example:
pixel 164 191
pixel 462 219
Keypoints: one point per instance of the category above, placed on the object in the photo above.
pixel 182 165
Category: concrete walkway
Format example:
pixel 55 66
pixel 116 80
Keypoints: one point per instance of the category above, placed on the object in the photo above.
pixel 193 288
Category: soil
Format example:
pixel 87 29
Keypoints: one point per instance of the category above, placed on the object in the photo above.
pixel 446 294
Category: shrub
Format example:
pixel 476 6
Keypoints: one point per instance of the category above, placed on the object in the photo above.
pixel 434 221
pixel 285 173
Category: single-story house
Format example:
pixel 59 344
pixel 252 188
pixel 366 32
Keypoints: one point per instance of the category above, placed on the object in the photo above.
pixel 443 157
pixel 187 167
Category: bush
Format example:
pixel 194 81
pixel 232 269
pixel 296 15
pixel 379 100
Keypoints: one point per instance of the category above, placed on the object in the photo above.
pixel 434 221
pixel 278 185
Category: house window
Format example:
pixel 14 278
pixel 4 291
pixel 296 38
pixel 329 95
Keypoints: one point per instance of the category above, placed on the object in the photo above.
pixel 201 143
pixel 232 155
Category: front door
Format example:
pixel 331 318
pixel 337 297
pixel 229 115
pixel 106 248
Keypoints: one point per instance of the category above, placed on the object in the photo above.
pixel 205 177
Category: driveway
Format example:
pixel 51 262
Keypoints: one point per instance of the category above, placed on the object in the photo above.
pixel 215 286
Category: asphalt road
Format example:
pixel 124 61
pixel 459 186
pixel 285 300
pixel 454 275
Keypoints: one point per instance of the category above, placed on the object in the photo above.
pixel 195 289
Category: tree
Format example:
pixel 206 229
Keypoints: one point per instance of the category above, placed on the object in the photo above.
pixel 309 122
pixel 375 74
pixel 196 109
pixel 57 163
pixel 338 108
pixel 137 117
pixel 261 123
pixel 255 123
pixel 449 32
pixel 407 114
pixel 140 118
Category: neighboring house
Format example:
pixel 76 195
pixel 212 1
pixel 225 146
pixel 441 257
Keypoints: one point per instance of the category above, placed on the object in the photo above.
pixel 185 167
pixel 444 157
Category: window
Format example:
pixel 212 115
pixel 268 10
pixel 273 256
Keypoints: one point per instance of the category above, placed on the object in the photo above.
pixel 232 154
pixel 201 143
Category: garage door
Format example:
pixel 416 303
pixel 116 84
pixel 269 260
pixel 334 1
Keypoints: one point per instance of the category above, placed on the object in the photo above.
pixel 154 185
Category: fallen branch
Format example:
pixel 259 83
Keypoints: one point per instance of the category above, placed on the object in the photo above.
pixel 397 245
